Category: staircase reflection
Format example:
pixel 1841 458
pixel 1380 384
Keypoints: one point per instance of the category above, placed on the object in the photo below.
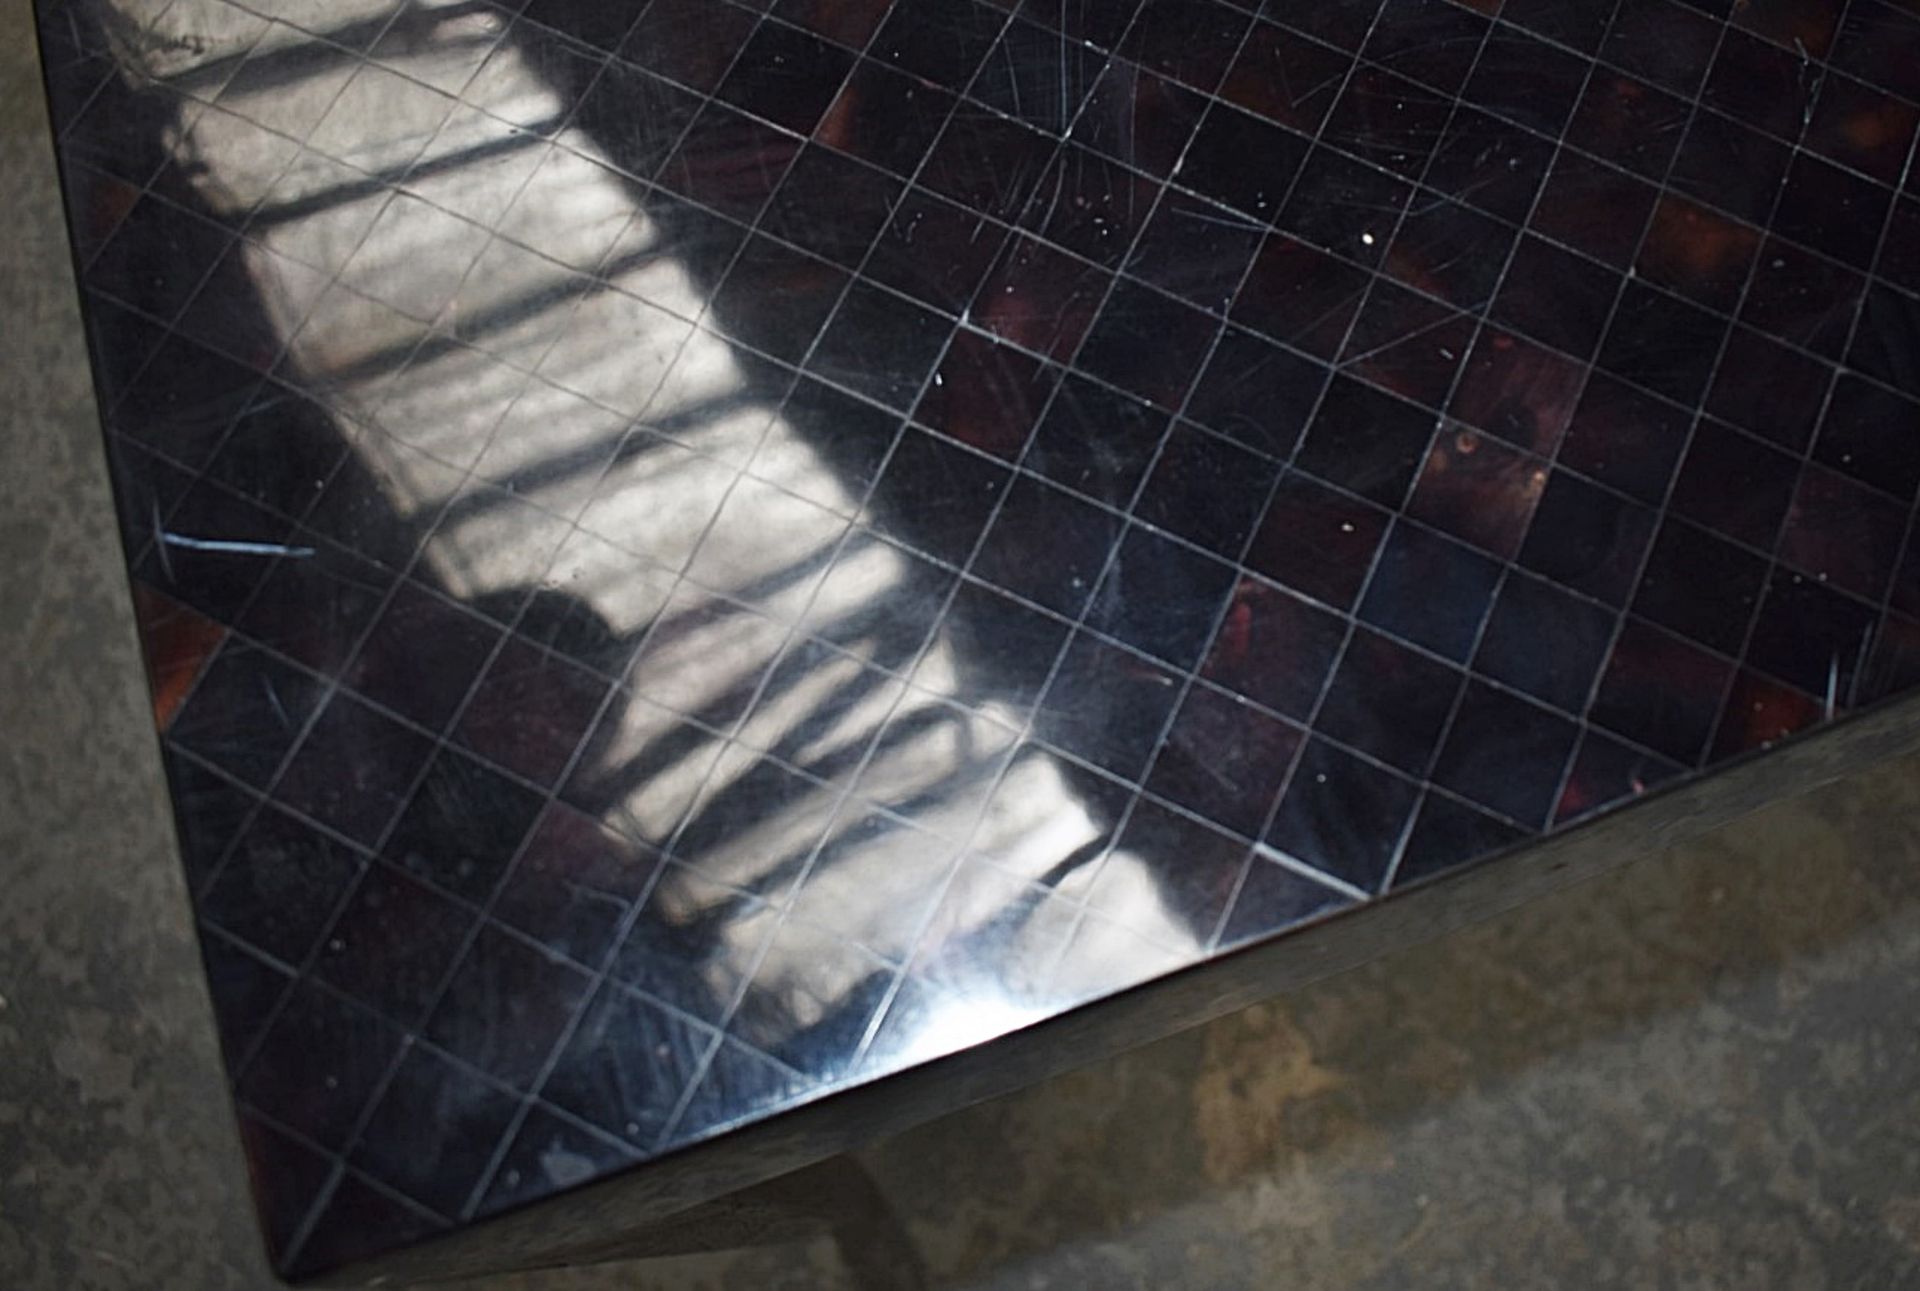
pixel 514 340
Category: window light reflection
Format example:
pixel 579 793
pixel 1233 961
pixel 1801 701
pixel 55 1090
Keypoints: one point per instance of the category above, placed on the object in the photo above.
pixel 478 366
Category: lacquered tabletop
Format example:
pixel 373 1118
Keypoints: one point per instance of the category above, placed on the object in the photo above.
pixel 693 554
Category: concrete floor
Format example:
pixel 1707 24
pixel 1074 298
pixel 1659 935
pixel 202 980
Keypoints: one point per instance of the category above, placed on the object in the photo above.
pixel 1697 1072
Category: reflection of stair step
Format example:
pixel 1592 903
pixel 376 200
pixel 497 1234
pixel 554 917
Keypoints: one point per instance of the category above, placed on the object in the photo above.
pixel 506 144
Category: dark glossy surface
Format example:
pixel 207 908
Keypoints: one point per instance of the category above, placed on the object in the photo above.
pixel 693 554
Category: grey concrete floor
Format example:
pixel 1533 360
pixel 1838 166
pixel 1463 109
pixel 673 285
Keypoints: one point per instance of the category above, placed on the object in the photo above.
pixel 1698 1072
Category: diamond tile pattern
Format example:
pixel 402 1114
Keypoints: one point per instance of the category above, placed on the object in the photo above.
pixel 695 553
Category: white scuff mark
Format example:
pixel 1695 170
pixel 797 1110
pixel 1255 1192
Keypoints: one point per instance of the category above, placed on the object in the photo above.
pixel 232 547
pixel 563 1168
pixel 159 542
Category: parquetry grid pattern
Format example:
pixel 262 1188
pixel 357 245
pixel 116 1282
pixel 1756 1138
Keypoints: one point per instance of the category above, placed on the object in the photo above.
pixel 694 552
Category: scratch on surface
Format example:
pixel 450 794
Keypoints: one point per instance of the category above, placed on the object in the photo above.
pixel 1231 220
pixel 1860 666
pixel 1808 87
pixel 273 698
pixel 160 543
pixel 1400 339
pixel 233 547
